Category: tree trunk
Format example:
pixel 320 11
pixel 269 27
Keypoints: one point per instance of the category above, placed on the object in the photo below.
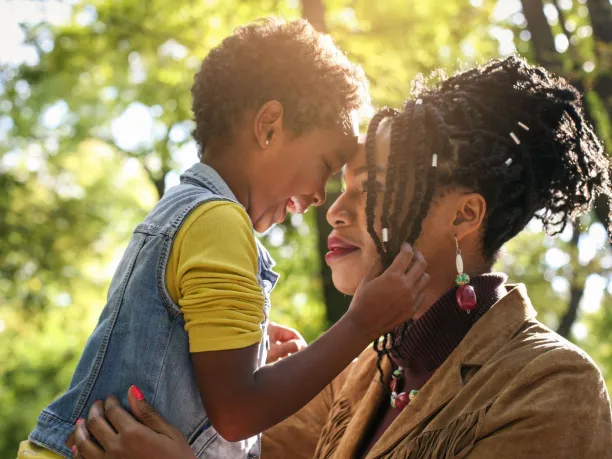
pixel 336 303
pixel 571 314
pixel 314 12
pixel 600 12
pixel 546 55
pixel 576 291
pixel 541 35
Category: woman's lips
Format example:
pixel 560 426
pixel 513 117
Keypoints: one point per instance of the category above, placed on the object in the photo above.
pixel 338 248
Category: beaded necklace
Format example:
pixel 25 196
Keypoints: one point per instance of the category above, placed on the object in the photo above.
pixel 402 399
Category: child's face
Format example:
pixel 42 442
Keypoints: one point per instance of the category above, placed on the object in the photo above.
pixel 293 174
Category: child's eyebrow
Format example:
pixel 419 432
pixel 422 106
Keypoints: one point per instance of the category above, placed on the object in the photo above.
pixel 345 155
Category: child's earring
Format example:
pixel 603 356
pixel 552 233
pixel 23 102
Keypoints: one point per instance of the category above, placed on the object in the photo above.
pixel 269 138
pixel 466 295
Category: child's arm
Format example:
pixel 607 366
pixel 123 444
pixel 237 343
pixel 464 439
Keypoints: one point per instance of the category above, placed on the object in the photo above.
pixel 212 273
pixel 242 400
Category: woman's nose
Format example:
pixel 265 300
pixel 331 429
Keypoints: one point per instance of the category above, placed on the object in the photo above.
pixel 339 214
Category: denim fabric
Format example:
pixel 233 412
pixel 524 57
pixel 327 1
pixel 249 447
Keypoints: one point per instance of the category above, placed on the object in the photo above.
pixel 140 337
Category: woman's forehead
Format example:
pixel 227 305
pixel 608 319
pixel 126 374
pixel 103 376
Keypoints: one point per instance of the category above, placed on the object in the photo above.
pixel 383 143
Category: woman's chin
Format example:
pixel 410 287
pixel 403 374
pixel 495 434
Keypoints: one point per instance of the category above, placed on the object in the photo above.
pixel 344 285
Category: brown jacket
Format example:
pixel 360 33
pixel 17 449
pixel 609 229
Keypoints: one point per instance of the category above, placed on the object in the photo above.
pixel 511 389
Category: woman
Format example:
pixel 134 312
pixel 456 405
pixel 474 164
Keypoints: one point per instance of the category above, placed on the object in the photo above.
pixel 459 172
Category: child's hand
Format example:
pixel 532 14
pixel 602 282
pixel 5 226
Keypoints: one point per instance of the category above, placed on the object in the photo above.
pixel 283 341
pixel 382 302
pixel 123 437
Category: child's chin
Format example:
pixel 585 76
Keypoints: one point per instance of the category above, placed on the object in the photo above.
pixel 263 224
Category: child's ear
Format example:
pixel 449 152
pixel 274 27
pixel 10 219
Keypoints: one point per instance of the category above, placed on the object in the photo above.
pixel 469 214
pixel 268 123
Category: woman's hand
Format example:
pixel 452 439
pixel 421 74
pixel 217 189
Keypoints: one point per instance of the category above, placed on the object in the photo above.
pixel 283 342
pixel 123 437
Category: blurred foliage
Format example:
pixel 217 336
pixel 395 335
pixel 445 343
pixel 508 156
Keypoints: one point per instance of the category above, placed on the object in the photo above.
pixel 94 126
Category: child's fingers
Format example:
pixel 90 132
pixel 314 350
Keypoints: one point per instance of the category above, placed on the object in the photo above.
pixel 418 303
pixel 84 447
pixel 373 272
pixel 422 283
pixel 416 269
pixel 402 260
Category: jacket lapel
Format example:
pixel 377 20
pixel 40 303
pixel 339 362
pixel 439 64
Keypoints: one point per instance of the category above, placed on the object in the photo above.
pixel 482 342
pixel 367 406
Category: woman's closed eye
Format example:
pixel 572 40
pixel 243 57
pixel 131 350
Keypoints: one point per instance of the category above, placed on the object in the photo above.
pixel 375 186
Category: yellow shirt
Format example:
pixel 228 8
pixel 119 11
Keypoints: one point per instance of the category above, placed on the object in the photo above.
pixel 212 276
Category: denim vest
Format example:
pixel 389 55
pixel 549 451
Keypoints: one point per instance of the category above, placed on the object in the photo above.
pixel 140 337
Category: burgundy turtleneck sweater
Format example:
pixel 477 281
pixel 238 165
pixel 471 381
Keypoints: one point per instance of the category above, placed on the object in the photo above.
pixel 429 341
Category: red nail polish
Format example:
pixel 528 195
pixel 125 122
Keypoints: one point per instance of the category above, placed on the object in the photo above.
pixel 136 392
pixel 80 420
pixel 73 449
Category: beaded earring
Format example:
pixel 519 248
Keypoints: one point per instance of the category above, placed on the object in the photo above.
pixel 466 295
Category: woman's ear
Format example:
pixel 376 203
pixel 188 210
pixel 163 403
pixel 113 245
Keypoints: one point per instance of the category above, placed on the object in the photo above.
pixel 470 213
pixel 268 123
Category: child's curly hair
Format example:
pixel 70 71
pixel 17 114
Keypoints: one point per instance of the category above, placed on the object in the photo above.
pixel 275 60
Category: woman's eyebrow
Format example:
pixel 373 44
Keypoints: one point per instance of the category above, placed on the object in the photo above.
pixel 364 169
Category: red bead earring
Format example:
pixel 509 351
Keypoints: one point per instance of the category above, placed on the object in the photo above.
pixel 466 295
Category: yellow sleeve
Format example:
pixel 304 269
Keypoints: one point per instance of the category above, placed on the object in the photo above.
pixel 212 276
pixel 29 450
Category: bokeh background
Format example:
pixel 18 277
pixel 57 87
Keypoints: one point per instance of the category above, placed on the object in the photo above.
pixel 95 125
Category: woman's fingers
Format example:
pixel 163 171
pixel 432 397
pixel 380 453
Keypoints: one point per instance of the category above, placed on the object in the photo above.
pixel 99 426
pixel 281 350
pixel 116 415
pixel 148 415
pixel 84 447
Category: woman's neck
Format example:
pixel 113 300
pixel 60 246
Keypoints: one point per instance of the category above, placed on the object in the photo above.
pixel 426 343
pixel 442 280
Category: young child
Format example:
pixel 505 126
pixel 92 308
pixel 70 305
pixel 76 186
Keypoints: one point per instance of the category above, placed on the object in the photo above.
pixel 187 309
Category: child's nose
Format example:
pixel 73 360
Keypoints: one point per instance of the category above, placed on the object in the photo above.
pixel 318 198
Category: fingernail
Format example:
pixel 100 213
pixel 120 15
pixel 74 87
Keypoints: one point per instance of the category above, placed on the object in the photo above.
pixel 136 392
pixel 73 449
pixel 406 246
pixel 79 421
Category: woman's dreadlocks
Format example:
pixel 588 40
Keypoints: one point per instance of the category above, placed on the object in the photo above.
pixel 554 172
